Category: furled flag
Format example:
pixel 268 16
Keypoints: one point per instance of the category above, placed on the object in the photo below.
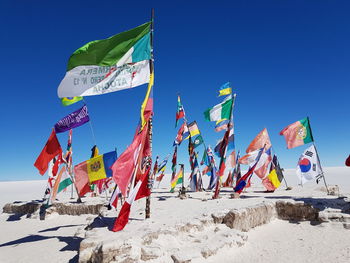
pixel 193 129
pixel 139 191
pixel 225 89
pixel 73 120
pixel 66 101
pixel 179 135
pixel 147 104
pixel 155 167
pixel 225 144
pixel 98 167
pixel 308 166
pixel 261 140
pixel 174 162
pixel 237 171
pixel 124 166
pixel 213 170
pixel 102 66
pixel 177 179
pixel 242 182
pixel 51 149
pixel 180 112
pixel 220 111
pixel 298 133
pixel 162 165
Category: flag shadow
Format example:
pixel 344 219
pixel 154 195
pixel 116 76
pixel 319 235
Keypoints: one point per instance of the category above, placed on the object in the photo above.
pixel 56 228
pixel 73 243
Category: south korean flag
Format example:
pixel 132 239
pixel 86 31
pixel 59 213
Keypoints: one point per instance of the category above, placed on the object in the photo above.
pixel 309 167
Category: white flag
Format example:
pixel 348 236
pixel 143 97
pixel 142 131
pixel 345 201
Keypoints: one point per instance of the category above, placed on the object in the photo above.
pixel 308 165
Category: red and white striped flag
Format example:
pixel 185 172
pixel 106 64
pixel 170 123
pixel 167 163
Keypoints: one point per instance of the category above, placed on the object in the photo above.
pixel 140 190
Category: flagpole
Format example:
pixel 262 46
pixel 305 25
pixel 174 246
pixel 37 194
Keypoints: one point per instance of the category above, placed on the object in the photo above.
pixel 91 128
pixel 318 158
pixel 148 198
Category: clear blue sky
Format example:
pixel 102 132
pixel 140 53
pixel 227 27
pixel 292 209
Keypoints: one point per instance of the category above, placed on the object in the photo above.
pixel 286 60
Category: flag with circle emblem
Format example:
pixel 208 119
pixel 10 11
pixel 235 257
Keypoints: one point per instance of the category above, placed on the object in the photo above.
pixel 308 165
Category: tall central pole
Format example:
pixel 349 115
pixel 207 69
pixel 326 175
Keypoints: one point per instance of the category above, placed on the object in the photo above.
pixel 148 198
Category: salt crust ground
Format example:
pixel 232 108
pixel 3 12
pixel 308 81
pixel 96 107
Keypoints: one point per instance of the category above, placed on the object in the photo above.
pixel 57 238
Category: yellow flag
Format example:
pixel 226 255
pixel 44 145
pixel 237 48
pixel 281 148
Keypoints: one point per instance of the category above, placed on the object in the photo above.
pixel 144 103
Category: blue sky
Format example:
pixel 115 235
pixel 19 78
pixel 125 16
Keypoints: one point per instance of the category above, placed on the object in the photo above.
pixel 286 60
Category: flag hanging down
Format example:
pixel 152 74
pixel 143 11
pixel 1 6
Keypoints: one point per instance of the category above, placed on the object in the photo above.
pixel 220 111
pixel 51 149
pixel 102 66
pixel 308 165
pixel 261 140
pixel 177 180
pixel 225 89
pixel 297 133
pixel 139 191
pixel 162 165
pixel 73 120
pixel 125 165
pixel 65 181
pixel 264 161
pixel 180 112
pixel 174 162
pixel 66 101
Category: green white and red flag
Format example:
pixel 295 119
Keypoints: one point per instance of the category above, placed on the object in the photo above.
pixel 298 133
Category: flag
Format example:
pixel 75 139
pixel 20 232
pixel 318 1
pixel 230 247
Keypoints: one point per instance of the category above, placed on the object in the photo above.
pixel 180 112
pixel 249 158
pixel 73 120
pixel 221 146
pixel 155 167
pixel 139 191
pixel 179 136
pixel 57 183
pixel 99 167
pixel 81 179
pixel 221 125
pixel 197 141
pixel 262 165
pixel 276 174
pixel 213 175
pixel 261 140
pixel 186 132
pixel 51 149
pixel 230 162
pixel 193 129
pixel 65 181
pixel 66 101
pixel 94 151
pixel 174 161
pixel 147 104
pixel 163 164
pixel 124 166
pixel 177 180
pixel 225 89
pixel 237 171
pixel 114 198
pixel 347 161
pixel 308 165
pixel 205 158
pixel 245 179
pixel 220 111
pixel 102 66
pixel 298 133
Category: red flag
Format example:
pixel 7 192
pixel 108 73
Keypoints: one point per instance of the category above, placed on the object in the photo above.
pixel 81 178
pixel 259 141
pixel 347 161
pixel 124 166
pixel 137 192
pixel 52 148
